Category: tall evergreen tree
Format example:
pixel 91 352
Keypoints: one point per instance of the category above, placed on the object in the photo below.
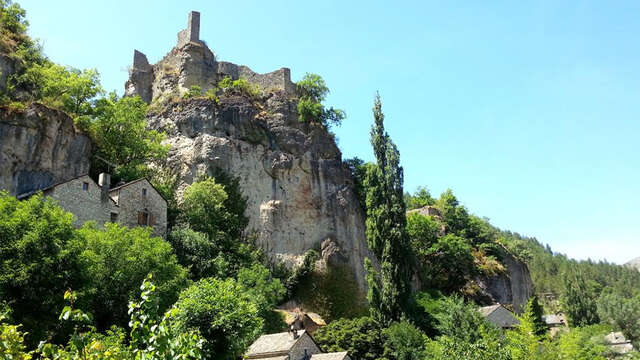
pixel 386 223
pixel 534 307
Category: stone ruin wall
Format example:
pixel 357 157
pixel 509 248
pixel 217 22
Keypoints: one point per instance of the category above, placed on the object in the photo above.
pixel 192 63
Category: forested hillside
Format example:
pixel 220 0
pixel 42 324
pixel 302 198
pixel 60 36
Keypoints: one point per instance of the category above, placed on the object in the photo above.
pixel 207 290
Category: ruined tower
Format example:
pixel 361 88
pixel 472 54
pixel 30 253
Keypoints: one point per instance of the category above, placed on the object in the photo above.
pixel 192 32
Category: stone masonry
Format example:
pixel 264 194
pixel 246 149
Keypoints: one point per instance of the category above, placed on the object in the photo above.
pixel 192 63
pixel 82 197
pixel 141 204
pixel 136 203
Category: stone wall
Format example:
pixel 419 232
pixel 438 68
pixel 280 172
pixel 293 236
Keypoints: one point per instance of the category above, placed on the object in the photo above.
pixel 84 204
pixel 305 343
pixel 132 200
pixel 192 63
pixel 40 147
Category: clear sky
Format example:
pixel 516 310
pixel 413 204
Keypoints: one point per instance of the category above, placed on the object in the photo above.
pixel 527 110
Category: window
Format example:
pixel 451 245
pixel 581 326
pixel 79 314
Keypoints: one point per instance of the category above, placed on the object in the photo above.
pixel 114 217
pixel 144 192
pixel 85 186
pixel 143 218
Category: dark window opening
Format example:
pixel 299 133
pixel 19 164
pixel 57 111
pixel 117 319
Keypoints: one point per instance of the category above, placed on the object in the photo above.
pixel 144 192
pixel 114 217
pixel 85 186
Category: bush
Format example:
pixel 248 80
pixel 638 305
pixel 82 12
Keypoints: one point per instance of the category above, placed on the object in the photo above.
pixel 118 259
pixel 223 312
pixel 361 337
pixel 193 91
pixel 240 86
pixel 39 260
pixel 405 341
pixel 313 91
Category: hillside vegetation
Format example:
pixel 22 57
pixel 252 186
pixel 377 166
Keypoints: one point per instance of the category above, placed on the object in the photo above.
pixel 207 292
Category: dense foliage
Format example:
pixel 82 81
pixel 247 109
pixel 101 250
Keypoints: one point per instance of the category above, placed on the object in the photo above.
pixel 223 312
pixel 313 92
pixel 386 226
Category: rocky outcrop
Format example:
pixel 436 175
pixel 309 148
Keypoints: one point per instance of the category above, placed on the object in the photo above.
pixel 635 263
pixel 514 286
pixel 298 191
pixel 39 147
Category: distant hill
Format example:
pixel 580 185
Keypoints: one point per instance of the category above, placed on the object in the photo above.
pixel 634 263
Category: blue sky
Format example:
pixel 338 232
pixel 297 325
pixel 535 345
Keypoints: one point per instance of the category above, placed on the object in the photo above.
pixel 527 110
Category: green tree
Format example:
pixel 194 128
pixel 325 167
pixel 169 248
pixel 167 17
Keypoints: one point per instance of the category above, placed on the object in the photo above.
pixel 582 343
pixel 313 91
pixel 535 309
pixel 579 300
pixel 223 312
pixel 524 343
pixel 119 130
pixel 153 336
pixel 361 337
pixel 404 341
pixel 622 313
pixel 12 341
pixel 459 320
pixel 386 222
pixel 118 259
pixel 419 199
pixel 38 261
pixel 447 264
pixel 264 290
pixel 489 346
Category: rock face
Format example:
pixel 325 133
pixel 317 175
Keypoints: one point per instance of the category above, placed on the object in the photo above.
pixel 634 263
pixel 39 147
pixel 298 190
pixel 513 287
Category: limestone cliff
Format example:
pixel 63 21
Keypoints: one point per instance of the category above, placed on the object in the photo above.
pixel 513 287
pixel 39 147
pixel 299 191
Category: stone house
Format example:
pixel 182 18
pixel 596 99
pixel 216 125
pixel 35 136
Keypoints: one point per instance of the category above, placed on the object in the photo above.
pixel 136 203
pixel 618 343
pixel 499 316
pixel 292 345
pixel 555 323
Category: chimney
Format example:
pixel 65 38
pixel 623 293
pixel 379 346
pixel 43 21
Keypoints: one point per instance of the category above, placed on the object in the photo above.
pixel 104 180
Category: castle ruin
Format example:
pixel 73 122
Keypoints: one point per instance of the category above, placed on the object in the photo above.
pixel 192 63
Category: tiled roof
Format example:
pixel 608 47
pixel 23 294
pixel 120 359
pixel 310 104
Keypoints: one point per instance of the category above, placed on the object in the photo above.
pixel 275 344
pixel 330 356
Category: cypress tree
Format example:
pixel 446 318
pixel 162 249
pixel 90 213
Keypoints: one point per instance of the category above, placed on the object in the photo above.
pixel 386 224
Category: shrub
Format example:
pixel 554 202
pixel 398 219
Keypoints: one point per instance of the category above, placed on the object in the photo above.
pixel 223 312
pixel 39 260
pixel 240 86
pixel 313 91
pixel 118 259
pixel 193 91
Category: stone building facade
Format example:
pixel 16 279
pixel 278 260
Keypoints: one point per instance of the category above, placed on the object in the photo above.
pixel 136 203
pixel 292 345
pixel 141 205
pixel 83 198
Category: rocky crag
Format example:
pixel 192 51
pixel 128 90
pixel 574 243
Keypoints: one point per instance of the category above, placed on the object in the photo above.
pixel 39 147
pixel 514 286
pixel 298 190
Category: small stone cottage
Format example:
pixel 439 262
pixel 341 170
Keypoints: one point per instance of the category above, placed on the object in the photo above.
pixel 499 316
pixel 136 203
pixel 292 345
